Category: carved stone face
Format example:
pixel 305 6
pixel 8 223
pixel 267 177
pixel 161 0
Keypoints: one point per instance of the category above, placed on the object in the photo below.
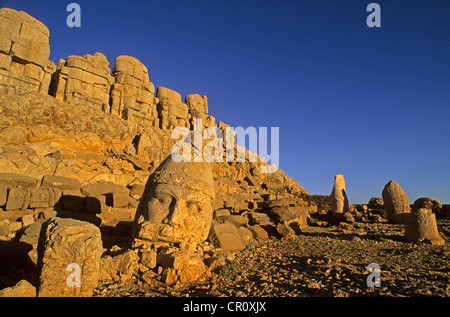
pixel 177 204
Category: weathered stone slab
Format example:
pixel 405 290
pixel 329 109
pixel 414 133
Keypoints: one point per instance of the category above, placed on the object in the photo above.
pixel 13 180
pixel 60 182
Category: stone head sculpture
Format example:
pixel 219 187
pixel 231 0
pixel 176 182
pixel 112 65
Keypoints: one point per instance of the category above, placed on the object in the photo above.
pixel 177 204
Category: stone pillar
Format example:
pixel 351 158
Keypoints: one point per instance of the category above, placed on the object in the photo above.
pixel 420 226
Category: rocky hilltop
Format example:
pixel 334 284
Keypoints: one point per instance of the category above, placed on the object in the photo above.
pixel 79 147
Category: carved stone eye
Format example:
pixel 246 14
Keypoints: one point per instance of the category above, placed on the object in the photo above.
pixel 164 199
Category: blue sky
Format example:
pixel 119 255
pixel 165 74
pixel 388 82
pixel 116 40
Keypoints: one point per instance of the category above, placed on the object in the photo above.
pixel 371 103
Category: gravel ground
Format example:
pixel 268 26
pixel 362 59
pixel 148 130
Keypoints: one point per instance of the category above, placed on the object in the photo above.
pixel 322 261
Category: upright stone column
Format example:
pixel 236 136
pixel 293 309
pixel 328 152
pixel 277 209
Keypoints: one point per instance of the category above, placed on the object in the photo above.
pixel 338 200
pixel 421 226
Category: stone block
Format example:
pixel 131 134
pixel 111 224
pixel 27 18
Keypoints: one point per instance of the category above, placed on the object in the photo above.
pixel 31 52
pixel 258 218
pixel 178 109
pixel 166 93
pixel 102 188
pixel 61 182
pixel 18 198
pixel 13 180
pixel 54 196
pixel 187 266
pixel 258 232
pixel 33 71
pixel 112 214
pixel 39 197
pixel 4 230
pixel 285 230
pixel 27 220
pixel 69 246
pixel 118 199
pixel 5 45
pixel 148 258
pixel 137 190
pixel 226 236
pixel 5 60
pixel 3 195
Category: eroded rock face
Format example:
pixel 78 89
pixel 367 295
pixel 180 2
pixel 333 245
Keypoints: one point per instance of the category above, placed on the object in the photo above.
pixel 396 202
pixel 177 204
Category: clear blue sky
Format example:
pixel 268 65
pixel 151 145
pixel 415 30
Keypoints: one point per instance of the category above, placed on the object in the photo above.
pixel 371 103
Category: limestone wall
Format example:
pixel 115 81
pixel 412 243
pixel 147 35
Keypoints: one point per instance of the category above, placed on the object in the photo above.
pixel 25 199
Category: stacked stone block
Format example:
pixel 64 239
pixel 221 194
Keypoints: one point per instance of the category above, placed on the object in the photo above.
pixel 172 112
pixel 84 80
pixel 24 53
pixel 198 108
pixel 25 199
pixel 132 94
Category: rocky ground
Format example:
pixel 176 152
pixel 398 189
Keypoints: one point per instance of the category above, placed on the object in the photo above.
pixel 322 261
